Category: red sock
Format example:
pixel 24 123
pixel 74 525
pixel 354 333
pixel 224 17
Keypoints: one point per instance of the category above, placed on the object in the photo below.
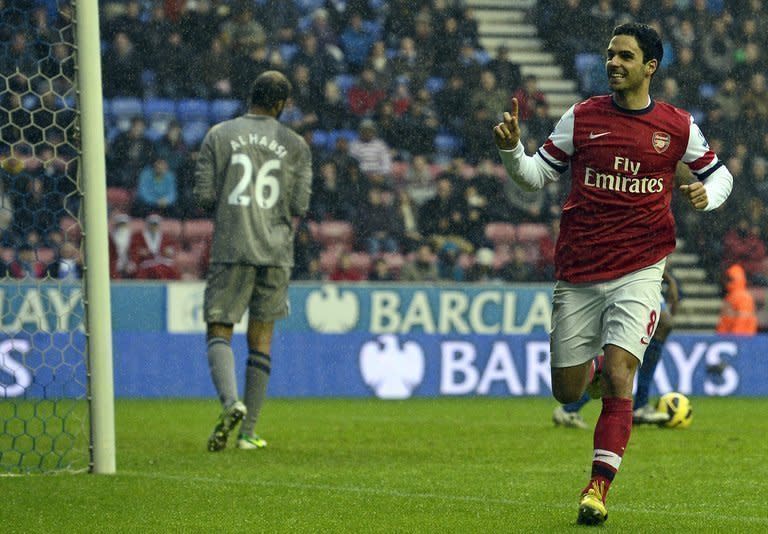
pixel 611 437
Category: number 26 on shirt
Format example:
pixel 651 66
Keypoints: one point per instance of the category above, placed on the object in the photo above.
pixel 266 189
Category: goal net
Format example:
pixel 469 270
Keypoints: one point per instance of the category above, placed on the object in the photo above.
pixel 44 368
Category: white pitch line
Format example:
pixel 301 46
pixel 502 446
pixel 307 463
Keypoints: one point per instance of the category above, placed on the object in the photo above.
pixel 761 520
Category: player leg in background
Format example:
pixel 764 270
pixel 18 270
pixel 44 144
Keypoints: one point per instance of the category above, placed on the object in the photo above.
pixel 644 413
pixel 221 362
pixel 257 371
pixel 568 415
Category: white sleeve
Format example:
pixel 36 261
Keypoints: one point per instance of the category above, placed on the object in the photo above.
pixel 718 186
pixel 706 166
pixel 530 173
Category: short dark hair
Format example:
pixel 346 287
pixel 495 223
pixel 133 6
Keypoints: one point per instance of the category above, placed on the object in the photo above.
pixel 269 88
pixel 647 39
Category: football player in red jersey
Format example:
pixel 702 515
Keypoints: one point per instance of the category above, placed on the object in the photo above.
pixel 616 231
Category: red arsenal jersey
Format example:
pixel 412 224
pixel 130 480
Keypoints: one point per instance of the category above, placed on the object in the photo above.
pixel 617 217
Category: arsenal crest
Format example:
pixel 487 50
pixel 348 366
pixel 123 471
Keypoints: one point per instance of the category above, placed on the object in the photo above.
pixel 661 141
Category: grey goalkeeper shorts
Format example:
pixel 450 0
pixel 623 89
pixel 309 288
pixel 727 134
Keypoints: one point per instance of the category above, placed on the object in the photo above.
pixel 232 288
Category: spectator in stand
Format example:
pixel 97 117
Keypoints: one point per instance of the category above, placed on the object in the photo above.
pixel 441 218
pixel 411 236
pixel 477 147
pixel 380 229
pixel 302 95
pixel 527 97
pixel 737 315
pixel 122 67
pixel 345 271
pixel 242 31
pixel 717 50
pixel 325 202
pixel 332 110
pixel 488 95
pixel 540 125
pixel 128 22
pixel 326 33
pixel 381 64
pixel 452 103
pixel 322 66
pixel 356 42
pixel 388 124
pixel 419 181
pixel 216 69
pixel 422 267
pixel 250 62
pixel 381 272
pixel 745 246
pixel 157 191
pixel 506 71
pixel 518 268
pixel 26 264
pixel 199 25
pixel 688 74
pixel 447 46
pixel 37 209
pixel 467 64
pixel 756 96
pixel 411 64
pixel 306 251
pixel 153 252
pixel 171 147
pixel 483 270
pixel 476 217
pixel 153 35
pixel 448 266
pixel 365 95
pixel 120 263
pixel 67 264
pixel 371 151
pixel 401 17
pixel 418 128
pixel 130 152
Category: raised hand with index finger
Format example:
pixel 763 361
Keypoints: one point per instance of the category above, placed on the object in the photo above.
pixel 507 133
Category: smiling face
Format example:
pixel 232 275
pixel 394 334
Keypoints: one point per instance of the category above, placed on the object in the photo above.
pixel 628 75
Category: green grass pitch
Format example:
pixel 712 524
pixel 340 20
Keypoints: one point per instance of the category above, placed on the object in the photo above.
pixel 423 465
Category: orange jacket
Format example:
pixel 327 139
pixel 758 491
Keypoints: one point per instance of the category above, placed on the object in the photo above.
pixel 737 315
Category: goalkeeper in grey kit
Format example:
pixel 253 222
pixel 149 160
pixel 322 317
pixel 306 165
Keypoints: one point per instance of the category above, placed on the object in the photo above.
pixel 256 174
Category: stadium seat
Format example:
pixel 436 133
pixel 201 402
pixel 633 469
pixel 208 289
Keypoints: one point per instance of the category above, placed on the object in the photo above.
pixel 172 228
pixel 193 109
pixel 159 112
pixel 125 108
pixel 500 233
pixel 345 82
pixel 434 84
pixel 320 139
pixel 336 232
pixel 531 231
pixel 447 145
pixel 194 132
pixel 196 231
pixel 223 109
pixel 119 199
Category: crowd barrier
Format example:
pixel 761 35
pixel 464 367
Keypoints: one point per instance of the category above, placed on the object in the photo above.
pixel 356 340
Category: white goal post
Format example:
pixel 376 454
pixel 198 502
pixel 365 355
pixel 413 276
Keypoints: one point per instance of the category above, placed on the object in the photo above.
pixel 93 174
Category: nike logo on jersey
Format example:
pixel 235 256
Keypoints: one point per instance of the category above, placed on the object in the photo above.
pixel 593 135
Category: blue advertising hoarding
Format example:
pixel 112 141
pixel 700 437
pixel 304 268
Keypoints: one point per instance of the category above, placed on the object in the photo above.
pixel 355 340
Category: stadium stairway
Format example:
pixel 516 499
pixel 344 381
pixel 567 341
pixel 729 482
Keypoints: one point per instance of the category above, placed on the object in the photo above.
pixel 700 306
pixel 507 22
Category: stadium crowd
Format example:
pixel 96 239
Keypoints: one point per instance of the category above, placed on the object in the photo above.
pixel 396 99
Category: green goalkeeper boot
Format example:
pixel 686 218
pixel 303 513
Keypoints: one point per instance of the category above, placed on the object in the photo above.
pixel 228 420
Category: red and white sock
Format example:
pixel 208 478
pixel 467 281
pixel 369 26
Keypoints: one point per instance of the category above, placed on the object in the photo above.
pixel 611 437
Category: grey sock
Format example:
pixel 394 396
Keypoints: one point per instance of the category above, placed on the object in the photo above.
pixel 256 380
pixel 221 362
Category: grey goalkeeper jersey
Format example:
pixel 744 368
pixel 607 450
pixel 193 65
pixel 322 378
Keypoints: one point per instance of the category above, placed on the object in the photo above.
pixel 257 174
